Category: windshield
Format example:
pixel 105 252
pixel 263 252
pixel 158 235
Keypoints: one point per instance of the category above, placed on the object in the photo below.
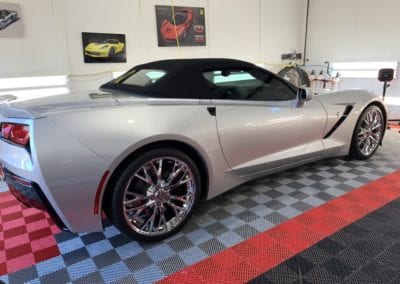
pixel 4 13
pixel 180 18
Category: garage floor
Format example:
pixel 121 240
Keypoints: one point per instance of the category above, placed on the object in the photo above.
pixel 329 221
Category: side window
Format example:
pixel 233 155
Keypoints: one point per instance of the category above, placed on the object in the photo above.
pixel 252 85
pixel 141 78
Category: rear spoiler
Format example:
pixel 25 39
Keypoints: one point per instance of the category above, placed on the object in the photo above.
pixel 7 98
pixel 6 110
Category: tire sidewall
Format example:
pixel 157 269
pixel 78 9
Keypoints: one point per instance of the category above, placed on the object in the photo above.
pixel 118 193
pixel 111 52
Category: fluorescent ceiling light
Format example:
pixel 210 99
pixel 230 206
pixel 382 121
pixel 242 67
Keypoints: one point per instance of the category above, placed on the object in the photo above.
pixel 37 93
pixel 32 82
pixel 362 69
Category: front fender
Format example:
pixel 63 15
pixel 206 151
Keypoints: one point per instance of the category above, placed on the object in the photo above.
pixel 337 138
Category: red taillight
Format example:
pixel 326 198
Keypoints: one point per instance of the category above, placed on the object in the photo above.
pixel 16 133
pixel 5 130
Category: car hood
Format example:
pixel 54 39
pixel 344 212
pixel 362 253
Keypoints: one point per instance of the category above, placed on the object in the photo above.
pixel 168 30
pixel 71 102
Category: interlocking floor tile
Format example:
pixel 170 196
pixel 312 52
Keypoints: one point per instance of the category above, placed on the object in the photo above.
pixel 26 237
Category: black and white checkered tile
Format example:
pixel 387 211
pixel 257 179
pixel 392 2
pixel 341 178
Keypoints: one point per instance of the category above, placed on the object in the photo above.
pixel 217 224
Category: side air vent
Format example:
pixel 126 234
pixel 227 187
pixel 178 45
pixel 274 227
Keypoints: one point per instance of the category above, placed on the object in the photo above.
pixel 346 112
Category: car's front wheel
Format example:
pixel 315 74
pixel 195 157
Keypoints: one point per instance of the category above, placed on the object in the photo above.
pixel 155 195
pixel 111 52
pixel 368 133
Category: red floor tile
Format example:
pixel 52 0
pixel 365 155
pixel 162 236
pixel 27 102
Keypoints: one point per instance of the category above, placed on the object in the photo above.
pixel 16 241
pixel 207 268
pixel 262 261
pixel 243 272
pixel 19 263
pixel 46 253
pixel 227 258
pixel 26 237
pixel 18 251
pixel 3 268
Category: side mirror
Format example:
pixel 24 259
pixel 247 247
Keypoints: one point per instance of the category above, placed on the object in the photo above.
pixel 304 95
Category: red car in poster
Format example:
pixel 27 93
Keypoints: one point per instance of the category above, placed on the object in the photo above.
pixel 177 26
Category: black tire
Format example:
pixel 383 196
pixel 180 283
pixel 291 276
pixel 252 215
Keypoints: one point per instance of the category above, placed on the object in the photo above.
pixel 296 75
pixel 111 52
pixel 128 183
pixel 356 148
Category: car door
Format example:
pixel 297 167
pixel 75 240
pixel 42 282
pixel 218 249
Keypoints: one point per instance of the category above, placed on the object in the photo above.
pixel 8 19
pixel 261 124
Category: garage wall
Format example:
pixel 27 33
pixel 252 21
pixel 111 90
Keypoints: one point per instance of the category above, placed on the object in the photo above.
pixel 352 30
pixel 38 52
pixel 282 28
pixel 251 30
pixel 235 32
pixel 355 30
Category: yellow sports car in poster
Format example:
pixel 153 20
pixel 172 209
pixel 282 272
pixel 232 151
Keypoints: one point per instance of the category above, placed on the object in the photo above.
pixel 104 49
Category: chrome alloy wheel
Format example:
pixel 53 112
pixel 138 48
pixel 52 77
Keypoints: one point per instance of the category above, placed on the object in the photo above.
pixel 370 132
pixel 158 196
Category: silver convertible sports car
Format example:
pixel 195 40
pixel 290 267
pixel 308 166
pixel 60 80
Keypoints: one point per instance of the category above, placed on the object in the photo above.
pixel 165 134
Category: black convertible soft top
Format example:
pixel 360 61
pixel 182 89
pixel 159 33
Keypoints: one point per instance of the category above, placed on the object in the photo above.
pixel 184 78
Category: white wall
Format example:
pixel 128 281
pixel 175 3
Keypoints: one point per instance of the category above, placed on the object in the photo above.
pixel 282 29
pixel 355 30
pixel 253 30
pixel 235 29
pixel 38 52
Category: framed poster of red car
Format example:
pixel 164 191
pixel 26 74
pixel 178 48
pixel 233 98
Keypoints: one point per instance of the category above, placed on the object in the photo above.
pixel 183 26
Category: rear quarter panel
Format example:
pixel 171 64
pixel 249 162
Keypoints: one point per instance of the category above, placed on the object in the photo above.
pixel 112 134
pixel 68 172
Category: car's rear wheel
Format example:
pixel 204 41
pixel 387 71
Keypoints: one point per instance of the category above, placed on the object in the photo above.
pixel 368 133
pixel 155 195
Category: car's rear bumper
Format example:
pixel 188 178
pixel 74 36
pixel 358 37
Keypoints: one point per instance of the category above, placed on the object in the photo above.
pixel 30 194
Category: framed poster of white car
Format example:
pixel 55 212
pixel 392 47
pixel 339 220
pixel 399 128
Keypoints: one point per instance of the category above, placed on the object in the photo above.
pixel 10 20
